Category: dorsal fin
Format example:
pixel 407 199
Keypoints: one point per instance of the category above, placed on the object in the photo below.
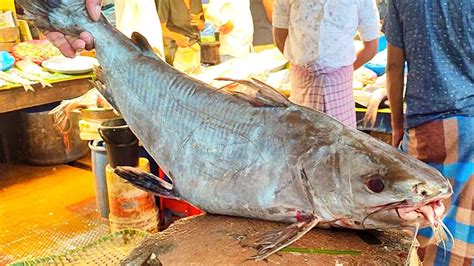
pixel 256 93
pixel 141 42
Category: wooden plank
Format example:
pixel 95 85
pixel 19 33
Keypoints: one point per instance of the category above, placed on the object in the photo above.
pixel 220 240
pixel 17 99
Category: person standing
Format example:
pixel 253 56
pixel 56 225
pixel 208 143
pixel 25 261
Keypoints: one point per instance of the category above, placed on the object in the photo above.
pixel 317 38
pixel 262 11
pixel 234 21
pixel 436 39
pixel 139 16
pixel 181 22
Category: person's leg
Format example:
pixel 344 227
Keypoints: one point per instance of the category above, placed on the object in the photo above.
pixel 448 145
pixel 306 87
pixel 338 95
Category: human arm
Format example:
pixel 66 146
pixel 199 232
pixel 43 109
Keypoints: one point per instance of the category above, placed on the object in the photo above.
pixel 280 21
pixel 69 45
pixel 393 29
pixel 395 84
pixel 164 10
pixel 368 52
pixel 181 40
pixel 279 37
pixel 268 6
pixel 198 21
pixel 369 29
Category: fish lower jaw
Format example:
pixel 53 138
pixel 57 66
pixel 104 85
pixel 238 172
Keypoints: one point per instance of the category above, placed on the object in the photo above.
pixel 424 215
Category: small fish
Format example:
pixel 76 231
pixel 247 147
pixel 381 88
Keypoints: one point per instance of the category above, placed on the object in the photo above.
pixel 16 80
pixel 246 150
pixel 31 77
pixel 30 67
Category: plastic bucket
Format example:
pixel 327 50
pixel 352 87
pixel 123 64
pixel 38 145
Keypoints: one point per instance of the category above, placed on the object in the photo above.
pixel 122 144
pixel 130 207
pixel 44 144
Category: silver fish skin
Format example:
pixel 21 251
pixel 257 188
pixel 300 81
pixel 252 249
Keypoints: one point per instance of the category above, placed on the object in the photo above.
pixel 275 161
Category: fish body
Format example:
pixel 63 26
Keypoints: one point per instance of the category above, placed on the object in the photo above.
pixel 31 77
pixel 18 80
pixel 250 152
pixel 33 72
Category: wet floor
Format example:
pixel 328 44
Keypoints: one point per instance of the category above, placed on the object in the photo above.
pixel 46 211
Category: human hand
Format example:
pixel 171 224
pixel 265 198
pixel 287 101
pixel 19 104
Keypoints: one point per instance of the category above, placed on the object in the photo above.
pixel 197 21
pixel 69 45
pixel 226 28
pixel 181 40
pixel 397 136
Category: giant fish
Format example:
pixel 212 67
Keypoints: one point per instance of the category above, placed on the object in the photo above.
pixel 246 150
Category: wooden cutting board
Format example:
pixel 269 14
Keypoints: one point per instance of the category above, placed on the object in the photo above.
pixel 221 240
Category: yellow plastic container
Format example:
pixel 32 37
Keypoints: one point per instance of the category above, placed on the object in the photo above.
pixel 130 207
pixel 8 5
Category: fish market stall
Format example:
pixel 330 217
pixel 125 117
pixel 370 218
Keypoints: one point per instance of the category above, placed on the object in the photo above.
pixel 14 97
pixel 212 168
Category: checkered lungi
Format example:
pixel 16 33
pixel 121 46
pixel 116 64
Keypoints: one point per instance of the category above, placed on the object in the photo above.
pixel 448 145
pixel 325 89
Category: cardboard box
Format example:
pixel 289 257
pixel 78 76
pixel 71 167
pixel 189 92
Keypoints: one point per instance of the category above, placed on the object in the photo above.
pixel 9 35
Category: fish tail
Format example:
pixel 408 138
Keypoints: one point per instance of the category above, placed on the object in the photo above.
pixel 147 181
pixel 44 83
pixel 67 16
pixel 28 87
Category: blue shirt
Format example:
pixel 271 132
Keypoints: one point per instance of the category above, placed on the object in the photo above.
pixel 438 39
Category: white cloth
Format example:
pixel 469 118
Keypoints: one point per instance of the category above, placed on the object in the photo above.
pixel 140 16
pixel 238 42
pixel 322 31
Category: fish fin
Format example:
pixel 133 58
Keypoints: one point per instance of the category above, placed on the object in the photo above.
pixel 99 81
pixel 147 181
pixel 141 42
pixel 272 242
pixel 256 93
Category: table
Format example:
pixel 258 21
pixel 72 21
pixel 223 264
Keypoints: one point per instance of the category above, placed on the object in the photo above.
pixel 15 98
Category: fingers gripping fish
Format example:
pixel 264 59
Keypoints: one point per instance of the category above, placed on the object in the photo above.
pixel 245 150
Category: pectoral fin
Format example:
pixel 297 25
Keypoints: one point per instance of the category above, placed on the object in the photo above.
pixel 272 242
pixel 147 182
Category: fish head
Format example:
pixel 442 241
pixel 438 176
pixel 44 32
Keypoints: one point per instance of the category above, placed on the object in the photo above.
pixel 66 16
pixel 363 183
pixel 391 188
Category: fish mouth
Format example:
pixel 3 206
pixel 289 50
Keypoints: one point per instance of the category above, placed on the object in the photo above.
pixel 425 214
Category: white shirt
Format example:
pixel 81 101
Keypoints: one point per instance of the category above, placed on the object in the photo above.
pixel 140 16
pixel 322 31
pixel 238 42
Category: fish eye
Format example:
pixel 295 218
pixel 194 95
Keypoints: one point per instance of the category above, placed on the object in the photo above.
pixel 375 183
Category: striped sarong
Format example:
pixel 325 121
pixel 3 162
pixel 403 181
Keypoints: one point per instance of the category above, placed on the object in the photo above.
pixel 325 89
pixel 448 145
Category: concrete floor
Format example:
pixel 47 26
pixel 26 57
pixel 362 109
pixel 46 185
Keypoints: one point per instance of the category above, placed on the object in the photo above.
pixel 46 211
